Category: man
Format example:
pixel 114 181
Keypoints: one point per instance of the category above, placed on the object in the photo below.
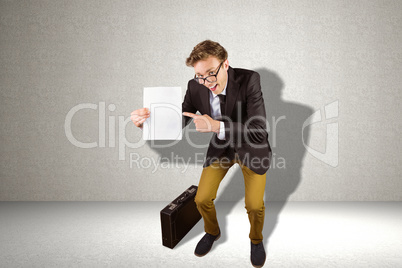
pixel 232 106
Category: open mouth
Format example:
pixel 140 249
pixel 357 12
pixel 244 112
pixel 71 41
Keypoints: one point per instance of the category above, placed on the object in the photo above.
pixel 214 87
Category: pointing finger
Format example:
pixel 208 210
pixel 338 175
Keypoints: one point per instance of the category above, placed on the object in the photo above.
pixel 190 115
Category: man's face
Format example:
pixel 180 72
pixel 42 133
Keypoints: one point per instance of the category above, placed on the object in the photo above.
pixel 209 66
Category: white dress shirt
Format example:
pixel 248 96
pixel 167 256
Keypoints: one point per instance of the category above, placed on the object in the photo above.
pixel 216 110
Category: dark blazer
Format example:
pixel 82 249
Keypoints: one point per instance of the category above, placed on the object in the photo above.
pixel 245 120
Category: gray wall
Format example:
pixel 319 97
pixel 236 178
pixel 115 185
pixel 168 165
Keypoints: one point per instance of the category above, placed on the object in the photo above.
pixel 340 58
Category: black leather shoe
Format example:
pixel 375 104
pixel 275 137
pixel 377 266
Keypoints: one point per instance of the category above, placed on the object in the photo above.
pixel 257 255
pixel 205 244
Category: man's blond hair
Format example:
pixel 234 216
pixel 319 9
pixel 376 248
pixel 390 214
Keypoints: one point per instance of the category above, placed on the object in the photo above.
pixel 206 49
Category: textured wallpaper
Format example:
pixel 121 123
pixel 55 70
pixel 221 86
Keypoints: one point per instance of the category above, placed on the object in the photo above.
pixel 71 72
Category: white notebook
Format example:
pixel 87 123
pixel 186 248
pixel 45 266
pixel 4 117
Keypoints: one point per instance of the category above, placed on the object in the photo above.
pixel 165 122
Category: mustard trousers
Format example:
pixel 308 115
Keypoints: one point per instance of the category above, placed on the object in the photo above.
pixel 254 194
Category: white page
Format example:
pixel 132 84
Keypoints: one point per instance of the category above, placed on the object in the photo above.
pixel 165 122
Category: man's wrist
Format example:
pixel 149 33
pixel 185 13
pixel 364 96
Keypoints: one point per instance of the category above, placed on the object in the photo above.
pixel 217 126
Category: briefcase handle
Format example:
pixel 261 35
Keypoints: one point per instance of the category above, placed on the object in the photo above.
pixel 183 198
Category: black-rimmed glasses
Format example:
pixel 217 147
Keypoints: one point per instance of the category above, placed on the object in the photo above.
pixel 210 78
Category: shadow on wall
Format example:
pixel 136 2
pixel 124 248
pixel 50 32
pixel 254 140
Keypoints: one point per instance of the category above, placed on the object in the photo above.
pixel 284 122
pixel 285 137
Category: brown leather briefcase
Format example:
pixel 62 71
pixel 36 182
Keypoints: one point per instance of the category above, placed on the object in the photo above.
pixel 179 217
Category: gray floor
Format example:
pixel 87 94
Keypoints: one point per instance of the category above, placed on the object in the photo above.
pixel 127 234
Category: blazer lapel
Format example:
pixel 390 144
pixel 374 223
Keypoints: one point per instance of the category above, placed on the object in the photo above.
pixel 205 100
pixel 201 99
pixel 232 91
